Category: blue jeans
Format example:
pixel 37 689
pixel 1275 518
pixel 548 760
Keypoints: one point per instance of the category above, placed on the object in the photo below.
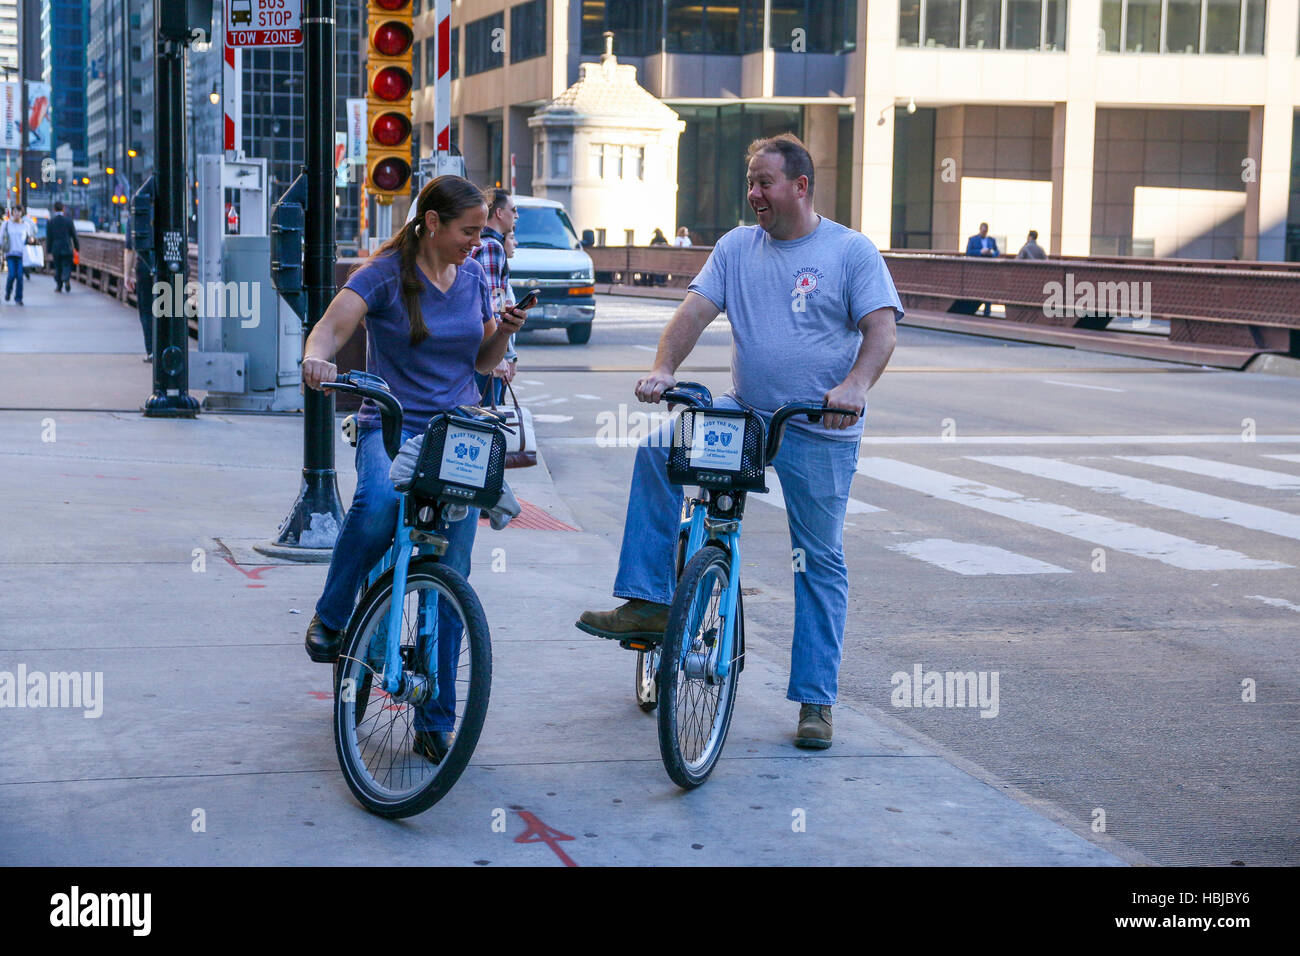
pixel 367 533
pixel 816 474
pixel 15 275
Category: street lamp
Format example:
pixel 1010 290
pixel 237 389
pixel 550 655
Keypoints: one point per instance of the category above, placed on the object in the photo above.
pixel 214 97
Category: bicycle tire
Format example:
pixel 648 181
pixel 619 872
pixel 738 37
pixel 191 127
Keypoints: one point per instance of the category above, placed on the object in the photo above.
pixel 687 760
pixel 353 736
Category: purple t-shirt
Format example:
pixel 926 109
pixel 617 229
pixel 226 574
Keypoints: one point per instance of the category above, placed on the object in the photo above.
pixel 438 374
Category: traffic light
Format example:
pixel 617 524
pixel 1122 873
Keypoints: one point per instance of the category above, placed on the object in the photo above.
pixel 389 79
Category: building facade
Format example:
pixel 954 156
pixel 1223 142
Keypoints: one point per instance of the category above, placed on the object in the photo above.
pixel 1149 127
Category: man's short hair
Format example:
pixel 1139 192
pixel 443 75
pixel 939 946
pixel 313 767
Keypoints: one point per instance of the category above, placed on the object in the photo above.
pixel 496 197
pixel 58 206
pixel 984 225
pixel 796 161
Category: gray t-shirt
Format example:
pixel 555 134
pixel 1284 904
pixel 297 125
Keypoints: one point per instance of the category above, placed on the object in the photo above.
pixel 794 307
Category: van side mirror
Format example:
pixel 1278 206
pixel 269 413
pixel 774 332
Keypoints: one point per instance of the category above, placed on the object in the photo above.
pixel 588 238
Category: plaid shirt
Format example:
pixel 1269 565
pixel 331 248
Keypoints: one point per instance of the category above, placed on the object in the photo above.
pixel 491 255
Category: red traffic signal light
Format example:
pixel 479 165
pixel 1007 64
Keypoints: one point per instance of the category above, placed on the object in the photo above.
pixel 390 129
pixel 390 173
pixel 392 83
pixel 392 38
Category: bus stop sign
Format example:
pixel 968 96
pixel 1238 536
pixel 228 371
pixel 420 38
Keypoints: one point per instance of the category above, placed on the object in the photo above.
pixel 263 23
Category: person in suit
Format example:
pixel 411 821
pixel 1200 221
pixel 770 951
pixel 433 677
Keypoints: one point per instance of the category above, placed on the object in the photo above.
pixel 61 243
pixel 982 244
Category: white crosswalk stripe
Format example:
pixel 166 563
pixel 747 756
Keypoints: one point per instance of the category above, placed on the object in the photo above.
pixel 776 498
pixel 1197 503
pixel 1098 529
pixel 1260 477
pixel 966 558
pixel 1285 457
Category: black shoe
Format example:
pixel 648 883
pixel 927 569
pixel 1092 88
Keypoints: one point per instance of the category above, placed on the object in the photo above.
pixel 433 745
pixel 323 643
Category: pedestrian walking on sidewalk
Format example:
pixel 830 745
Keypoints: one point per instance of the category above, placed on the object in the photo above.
pixel 14 236
pixel 61 241
pixel 813 310
pixel 429 326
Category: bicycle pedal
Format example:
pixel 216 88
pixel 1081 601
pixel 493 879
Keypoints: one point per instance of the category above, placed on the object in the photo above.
pixel 637 645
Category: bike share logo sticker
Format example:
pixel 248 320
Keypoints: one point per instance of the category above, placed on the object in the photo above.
pixel 465 457
pixel 717 442
pixel 805 285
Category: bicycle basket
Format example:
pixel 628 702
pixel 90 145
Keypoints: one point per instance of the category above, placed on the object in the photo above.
pixel 718 448
pixel 461 460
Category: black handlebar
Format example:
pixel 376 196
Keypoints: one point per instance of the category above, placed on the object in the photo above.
pixel 376 389
pixel 695 395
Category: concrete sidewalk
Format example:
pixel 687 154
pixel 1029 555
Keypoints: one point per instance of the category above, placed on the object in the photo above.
pixel 128 552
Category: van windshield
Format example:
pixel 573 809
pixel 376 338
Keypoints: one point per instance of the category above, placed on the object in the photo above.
pixel 545 227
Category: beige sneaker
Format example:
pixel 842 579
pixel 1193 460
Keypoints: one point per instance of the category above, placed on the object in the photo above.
pixel 814 731
pixel 636 620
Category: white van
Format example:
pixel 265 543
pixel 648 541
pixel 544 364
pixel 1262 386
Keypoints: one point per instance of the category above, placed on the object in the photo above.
pixel 550 257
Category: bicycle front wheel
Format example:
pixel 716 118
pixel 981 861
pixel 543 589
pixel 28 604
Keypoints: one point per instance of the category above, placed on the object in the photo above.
pixel 695 705
pixel 446 658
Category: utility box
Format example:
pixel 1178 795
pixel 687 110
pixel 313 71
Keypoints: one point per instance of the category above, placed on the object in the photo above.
pixel 255 322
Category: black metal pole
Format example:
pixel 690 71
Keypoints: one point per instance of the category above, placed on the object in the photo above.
pixel 317 515
pixel 171 342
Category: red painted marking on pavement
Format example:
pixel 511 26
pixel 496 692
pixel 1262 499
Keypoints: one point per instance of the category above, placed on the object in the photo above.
pixel 255 574
pixel 539 832
pixel 533 518
pixel 66 474
pixel 321 694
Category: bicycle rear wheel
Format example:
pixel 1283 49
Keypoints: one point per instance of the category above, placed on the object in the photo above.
pixel 694 705
pixel 445 646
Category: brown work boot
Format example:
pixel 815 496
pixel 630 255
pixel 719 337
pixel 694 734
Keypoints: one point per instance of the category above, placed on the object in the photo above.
pixel 635 620
pixel 814 731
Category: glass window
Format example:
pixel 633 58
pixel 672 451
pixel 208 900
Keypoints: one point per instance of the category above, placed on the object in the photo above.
pixel 638 163
pixel 431 60
pixel 909 23
pixel 983 24
pixel 1109 38
pixel 596 161
pixel 1183 29
pixel 685 32
pixel 455 52
pixel 416 73
pixel 1055 13
pixel 942 18
pixel 1253 42
pixel 483 48
pixel 1024 20
pixel 527 30
pixel 722 27
pixel 832 26
pixel 545 227
pixel 787 17
pixel 1143 32
pixel 634 23
pixel 1222 26
pixel 559 159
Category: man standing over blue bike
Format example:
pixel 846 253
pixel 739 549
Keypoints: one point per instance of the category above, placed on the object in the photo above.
pixel 813 312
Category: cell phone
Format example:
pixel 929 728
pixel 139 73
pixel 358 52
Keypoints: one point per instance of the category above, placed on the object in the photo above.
pixel 529 300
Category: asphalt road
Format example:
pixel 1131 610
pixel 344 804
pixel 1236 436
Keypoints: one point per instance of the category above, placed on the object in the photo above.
pixel 1116 538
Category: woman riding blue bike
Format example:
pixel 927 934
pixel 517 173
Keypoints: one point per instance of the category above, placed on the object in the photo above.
pixel 429 327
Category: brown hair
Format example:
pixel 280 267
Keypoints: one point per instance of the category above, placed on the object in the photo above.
pixel 449 197
pixel 496 197
pixel 796 161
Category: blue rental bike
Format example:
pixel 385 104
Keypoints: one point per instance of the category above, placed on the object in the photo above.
pixel 411 685
pixel 691 677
